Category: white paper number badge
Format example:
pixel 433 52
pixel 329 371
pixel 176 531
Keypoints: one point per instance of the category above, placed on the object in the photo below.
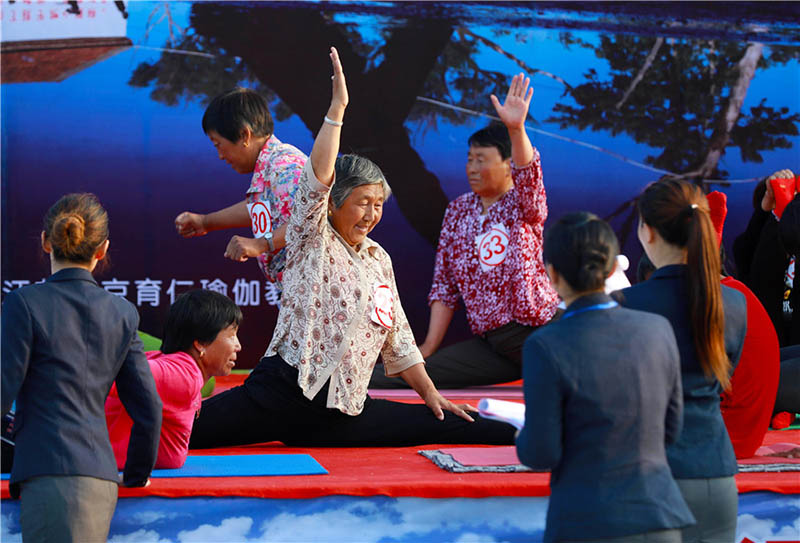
pixel 383 306
pixel 260 218
pixel 492 247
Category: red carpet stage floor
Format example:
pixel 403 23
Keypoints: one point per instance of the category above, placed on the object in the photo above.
pixel 402 471
pixel 360 478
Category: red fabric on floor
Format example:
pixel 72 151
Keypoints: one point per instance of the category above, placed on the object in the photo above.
pixel 355 472
pixel 396 472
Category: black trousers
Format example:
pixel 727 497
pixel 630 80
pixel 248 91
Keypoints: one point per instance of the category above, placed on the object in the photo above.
pixel 270 406
pixel 788 397
pixel 493 358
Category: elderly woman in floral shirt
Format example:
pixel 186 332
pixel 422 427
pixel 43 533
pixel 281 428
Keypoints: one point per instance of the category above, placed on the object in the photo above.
pixel 340 312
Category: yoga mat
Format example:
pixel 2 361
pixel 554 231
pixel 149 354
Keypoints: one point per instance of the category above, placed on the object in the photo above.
pixel 448 463
pixel 245 465
pixel 484 456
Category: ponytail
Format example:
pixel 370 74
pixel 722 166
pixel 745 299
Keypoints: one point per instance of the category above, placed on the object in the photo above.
pixel 680 214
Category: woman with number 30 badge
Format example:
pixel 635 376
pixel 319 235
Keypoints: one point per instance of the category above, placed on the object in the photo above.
pixel 341 312
pixel 240 127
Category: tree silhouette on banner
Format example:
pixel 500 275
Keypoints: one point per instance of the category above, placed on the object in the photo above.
pixel 683 97
pixel 281 53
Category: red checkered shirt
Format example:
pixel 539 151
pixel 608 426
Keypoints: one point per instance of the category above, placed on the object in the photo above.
pixel 515 289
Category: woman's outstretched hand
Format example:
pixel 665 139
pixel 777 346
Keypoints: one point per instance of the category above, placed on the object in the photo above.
pixel 437 403
pixel 514 110
pixel 326 145
pixel 339 96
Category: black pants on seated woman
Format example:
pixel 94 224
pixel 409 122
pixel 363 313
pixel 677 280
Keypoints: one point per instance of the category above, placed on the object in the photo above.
pixel 269 406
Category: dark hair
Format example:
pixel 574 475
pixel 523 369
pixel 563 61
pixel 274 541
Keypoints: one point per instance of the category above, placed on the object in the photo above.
pixel 495 135
pixel 582 248
pixel 198 315
pixel 758 193
pixel 679 212
pixel 353 171
pixel 75 226
pixel 231 112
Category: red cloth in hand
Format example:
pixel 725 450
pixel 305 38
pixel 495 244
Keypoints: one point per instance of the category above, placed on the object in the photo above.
pixel 718 209
pixel 784 191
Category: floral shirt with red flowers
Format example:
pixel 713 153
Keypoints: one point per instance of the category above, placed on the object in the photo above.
pixel 340 308
pixel 493 262
pixel 274 182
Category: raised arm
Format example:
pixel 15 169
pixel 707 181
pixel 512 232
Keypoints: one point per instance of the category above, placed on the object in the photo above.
pixel 513 113
pixel 326 146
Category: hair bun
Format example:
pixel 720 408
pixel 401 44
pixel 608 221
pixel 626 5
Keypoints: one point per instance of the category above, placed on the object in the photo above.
pixel 75 226
pixel 69 232
pixel 594 258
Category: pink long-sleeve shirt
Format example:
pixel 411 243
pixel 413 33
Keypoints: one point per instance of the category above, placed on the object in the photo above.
pixel 179 382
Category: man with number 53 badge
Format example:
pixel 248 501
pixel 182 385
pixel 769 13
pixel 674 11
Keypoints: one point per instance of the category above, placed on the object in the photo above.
pixel 240 127
pixel 490 256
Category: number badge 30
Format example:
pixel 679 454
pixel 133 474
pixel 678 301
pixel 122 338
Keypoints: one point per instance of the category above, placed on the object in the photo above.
pixel 261 219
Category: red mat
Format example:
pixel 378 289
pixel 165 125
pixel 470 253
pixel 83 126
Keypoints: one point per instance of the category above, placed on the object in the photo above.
pixel 397 472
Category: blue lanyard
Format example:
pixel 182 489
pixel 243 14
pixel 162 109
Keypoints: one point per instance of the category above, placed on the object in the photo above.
pixel 607 305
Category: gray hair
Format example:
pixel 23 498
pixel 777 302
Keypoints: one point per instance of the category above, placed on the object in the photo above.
pixel 353 171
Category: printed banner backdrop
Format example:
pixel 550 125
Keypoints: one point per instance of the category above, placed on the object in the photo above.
pixel 764 517
pixel 107 97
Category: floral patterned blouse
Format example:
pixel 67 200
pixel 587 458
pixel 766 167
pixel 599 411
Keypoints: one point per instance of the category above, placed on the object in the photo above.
pixel 340 307
pixel 274 181
pixel 494 261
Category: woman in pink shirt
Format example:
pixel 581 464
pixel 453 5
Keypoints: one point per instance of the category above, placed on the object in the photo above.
pixel 200 342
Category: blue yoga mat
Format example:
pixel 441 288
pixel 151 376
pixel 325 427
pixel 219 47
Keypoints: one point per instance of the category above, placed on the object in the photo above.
pixel 246 465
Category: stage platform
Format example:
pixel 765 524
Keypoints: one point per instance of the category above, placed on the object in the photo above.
pixel 385 494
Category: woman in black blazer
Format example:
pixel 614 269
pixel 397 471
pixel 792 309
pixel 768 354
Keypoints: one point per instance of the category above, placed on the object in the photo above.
pixel 603 395
pixel 709 322
pixel 64 342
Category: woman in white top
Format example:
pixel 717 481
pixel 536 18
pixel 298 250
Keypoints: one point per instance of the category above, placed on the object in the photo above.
pixel 339 312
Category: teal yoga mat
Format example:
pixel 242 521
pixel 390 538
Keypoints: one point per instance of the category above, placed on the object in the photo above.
pixel 245 465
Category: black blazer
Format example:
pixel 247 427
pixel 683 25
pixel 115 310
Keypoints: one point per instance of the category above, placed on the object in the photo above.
pixel 704 449
pixel 761 254
pixel 602 397
pixel 64 342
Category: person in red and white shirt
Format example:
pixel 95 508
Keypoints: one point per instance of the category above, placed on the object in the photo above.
pixel 490 256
